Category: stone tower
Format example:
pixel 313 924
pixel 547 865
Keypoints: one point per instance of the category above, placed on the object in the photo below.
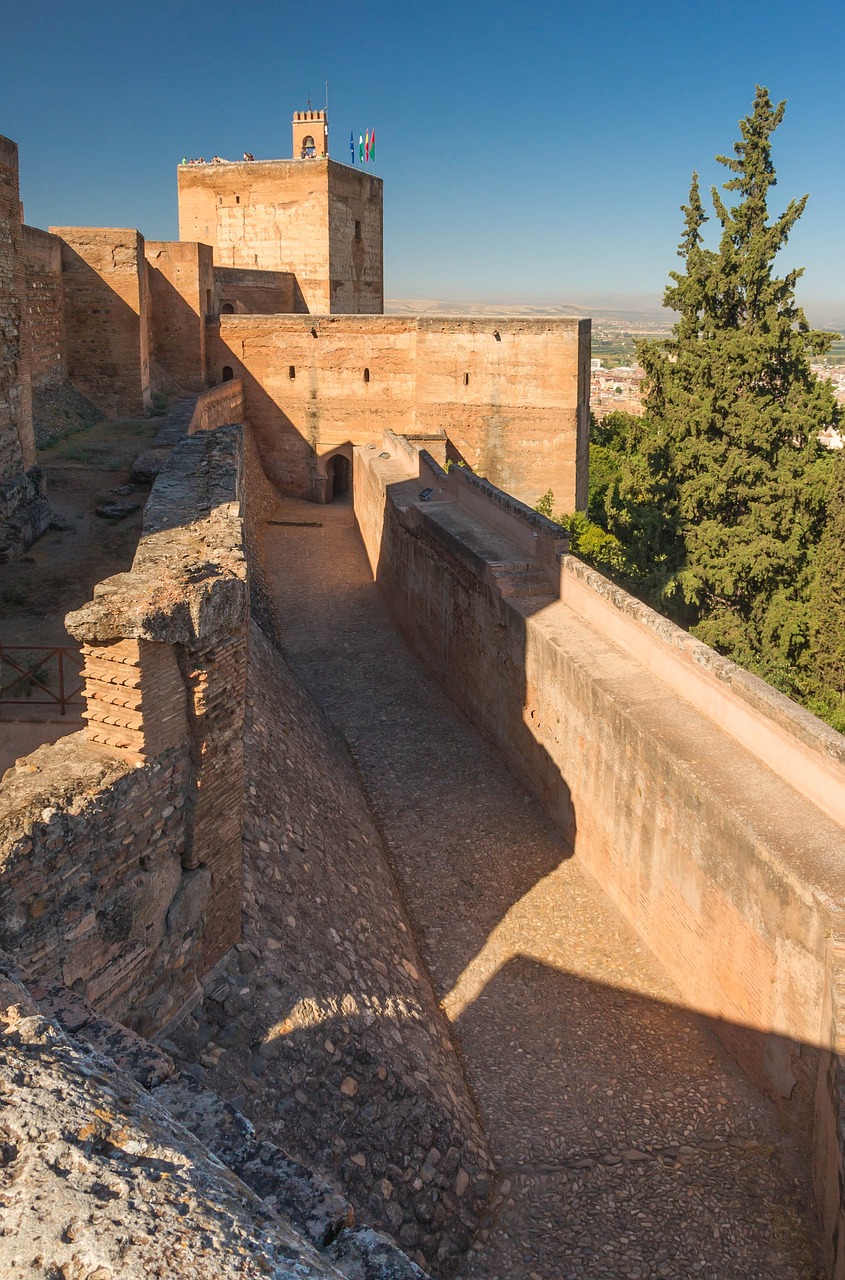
pixel 311 216
pixel 310 135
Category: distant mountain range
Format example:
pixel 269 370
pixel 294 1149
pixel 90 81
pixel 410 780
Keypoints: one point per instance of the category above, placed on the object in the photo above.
pixel 622 317
pixel 435 307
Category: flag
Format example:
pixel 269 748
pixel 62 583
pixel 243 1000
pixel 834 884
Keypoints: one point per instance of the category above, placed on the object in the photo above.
pixel 352 144
pixel 367 145
pixel 361 146
pixel 373 146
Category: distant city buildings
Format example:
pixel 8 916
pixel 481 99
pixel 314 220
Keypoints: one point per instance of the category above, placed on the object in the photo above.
pixel 617 388
pixel 622 388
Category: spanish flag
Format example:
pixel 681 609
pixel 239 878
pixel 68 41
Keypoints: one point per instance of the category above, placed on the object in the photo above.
pixel 367 146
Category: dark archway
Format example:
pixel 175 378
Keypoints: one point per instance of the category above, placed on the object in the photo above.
pixel 228 373
pixel 338 477
pixel 227 309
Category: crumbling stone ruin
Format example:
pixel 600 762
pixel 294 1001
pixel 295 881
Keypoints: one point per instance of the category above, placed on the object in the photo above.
pixel 253 1019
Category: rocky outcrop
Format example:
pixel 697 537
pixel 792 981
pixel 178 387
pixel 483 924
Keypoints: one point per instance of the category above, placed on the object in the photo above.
pixel 134 1171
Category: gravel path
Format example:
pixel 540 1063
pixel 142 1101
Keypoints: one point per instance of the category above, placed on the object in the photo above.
pixel 627 1142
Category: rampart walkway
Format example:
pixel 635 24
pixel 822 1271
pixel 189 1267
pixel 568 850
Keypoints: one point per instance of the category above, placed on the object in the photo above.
pixel 628 1143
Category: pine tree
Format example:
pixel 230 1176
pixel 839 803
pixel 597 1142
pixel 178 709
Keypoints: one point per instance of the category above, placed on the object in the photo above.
pixel 732 397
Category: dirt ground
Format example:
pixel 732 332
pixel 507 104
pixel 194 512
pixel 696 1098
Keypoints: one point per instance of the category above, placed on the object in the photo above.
pixel 58 573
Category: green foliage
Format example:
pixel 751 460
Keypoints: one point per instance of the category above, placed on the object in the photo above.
pixel 718 505
pixel 733 413
pixel 595 544
pixel 828 601
pixel 546 505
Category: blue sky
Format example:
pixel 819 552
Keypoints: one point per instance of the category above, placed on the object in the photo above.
pixel 530 153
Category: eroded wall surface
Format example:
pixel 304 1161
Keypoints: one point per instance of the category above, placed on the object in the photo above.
pixel 356 234
pixel 730 873
pixel 44 307
pixel 317 219
pixel 510 394
pixel 24 514
pixel 107 320
pixel 120 847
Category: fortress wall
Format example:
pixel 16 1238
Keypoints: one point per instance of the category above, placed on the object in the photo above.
pixel 262 293
pixel 120 847
pixel 17 443
pixel 356 252
pixel 296 216
pixel 181 287
pixel 270 214
pixel 24 513
pixel 514 407
pixel 730 874
pixel 107 321
pixel 44 318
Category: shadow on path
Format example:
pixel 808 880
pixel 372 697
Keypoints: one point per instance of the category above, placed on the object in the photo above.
pixel 629 1144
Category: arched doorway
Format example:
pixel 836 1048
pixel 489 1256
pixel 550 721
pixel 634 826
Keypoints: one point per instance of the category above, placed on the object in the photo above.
pixel 338 477
pixel 227 309
pixel 228 373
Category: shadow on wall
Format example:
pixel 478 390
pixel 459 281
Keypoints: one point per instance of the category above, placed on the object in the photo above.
pixel 286 452
pixel 438 571
pixel 177 333
pixel 105 340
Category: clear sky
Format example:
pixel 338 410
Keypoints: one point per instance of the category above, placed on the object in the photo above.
pixel 530 152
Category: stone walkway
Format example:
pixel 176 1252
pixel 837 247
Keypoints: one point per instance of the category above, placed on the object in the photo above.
pixel 627 1142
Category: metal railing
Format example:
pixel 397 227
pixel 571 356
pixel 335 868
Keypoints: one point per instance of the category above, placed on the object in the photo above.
pixel 35 675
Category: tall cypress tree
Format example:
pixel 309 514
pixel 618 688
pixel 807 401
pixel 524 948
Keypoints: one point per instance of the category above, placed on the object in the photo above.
pixel 732 394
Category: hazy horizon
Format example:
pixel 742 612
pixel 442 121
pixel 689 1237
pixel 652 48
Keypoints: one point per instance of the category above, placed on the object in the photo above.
pixel 526 158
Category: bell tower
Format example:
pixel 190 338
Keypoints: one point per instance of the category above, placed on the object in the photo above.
pixel 310 135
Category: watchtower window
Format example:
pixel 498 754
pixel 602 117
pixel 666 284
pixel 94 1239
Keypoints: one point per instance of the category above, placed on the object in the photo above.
pixel 227 309
pixel 292 371
pixel 357 230
pixel 466 379
pixel 228 373
pixel 237 199
pixel 366 375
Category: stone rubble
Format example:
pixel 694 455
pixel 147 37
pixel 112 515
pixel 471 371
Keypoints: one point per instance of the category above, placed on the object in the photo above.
pixel 322 1026
pixel 118 1095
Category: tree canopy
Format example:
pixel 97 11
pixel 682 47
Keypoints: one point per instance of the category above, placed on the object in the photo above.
pixel 721 496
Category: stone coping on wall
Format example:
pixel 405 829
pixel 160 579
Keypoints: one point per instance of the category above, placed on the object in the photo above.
pixel 218 407
pixel 490 325
pixel 211 168
pixel 535 537
pixel 808 754
pixel 188 583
